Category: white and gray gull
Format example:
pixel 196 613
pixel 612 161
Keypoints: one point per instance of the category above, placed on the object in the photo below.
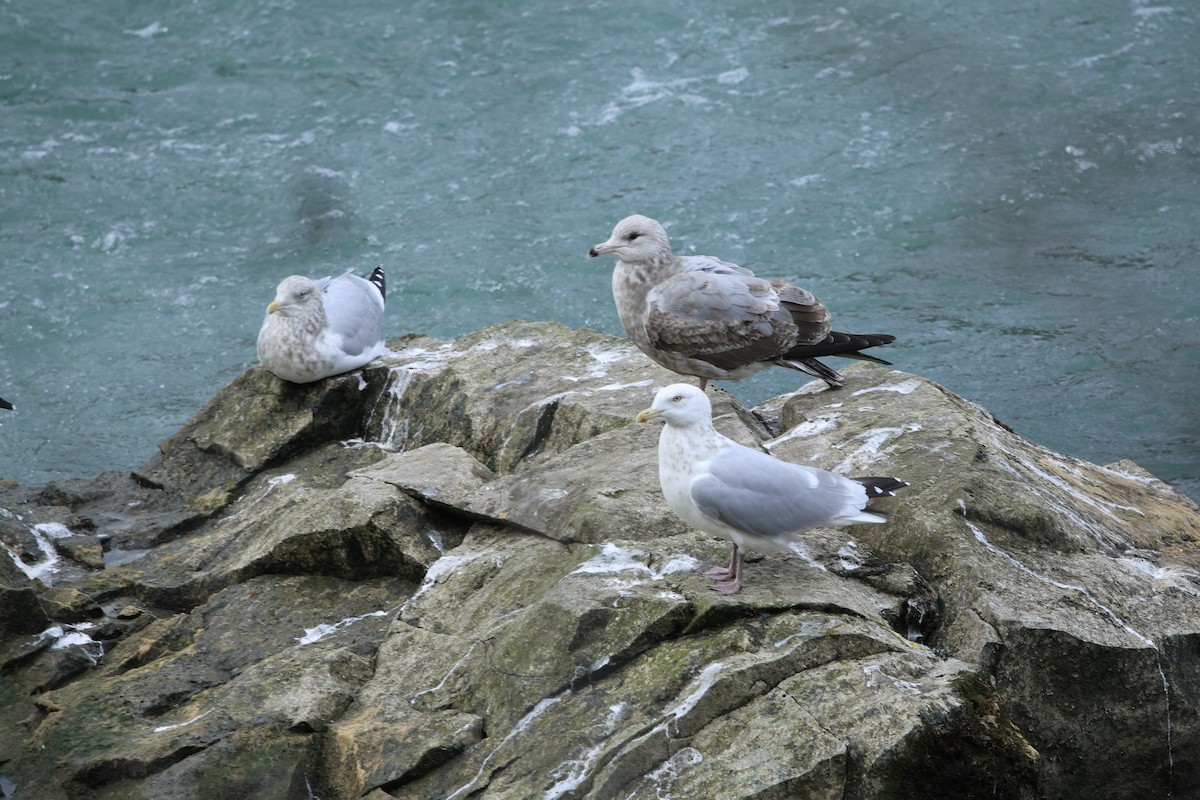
pixel 713 320
pixel 751 498
pixel 315 329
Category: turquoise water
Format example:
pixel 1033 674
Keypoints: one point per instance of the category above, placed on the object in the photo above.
pixel 1012 189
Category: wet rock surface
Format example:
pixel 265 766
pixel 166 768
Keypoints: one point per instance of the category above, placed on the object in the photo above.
pixel 453 575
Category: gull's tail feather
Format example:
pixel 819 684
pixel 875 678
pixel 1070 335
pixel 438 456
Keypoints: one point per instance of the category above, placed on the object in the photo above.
pixel 846 345
pixel 811 366
pixel 380 281
pixel 880 487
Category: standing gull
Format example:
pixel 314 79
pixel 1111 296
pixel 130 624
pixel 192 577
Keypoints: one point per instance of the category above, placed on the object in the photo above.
pixel 700 316
pixel 315 329
pixel 751 498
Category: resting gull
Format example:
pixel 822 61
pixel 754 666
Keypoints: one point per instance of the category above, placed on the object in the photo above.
pixel 700 316
pixel 315 329
pixel 749 497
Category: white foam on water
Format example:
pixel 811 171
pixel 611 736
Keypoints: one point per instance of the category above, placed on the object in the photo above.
pixel 805 180
pixel 640 91
pixel 153 29
pixel 733 76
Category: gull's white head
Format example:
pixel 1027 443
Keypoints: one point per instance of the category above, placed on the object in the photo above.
pixel 680 405
pixel 635 240
pixel 294 295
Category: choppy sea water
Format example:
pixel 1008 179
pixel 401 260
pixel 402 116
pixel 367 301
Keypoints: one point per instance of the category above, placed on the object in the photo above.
pixel 1012 189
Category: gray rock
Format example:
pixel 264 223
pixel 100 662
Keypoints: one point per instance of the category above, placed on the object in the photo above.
pixel 511 611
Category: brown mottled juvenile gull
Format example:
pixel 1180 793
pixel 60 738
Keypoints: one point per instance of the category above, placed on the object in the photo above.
pixel 749 497
pixel 315 329
pixel 700 316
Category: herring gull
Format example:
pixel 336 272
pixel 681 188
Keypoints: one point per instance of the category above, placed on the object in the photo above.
pixel 713 320
pixel 315 329
pixel 751 498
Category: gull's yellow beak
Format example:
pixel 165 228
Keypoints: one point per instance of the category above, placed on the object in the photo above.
pixel 647 414
pixel 274 306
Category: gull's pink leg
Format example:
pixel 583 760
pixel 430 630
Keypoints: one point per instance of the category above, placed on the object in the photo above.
pixel 724 573
pixel 731 587
pixel 703 384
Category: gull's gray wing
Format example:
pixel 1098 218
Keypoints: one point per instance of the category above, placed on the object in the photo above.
pixel 718 312
pixel 354 309
pixel 763 496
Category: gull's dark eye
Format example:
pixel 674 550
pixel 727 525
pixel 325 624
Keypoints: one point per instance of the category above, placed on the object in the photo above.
pixel 634 235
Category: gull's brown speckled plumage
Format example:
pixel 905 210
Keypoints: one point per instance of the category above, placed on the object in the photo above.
pixel 713 320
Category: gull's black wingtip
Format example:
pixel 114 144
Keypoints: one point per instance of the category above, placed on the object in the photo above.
pixel 377 278
pixel 881 487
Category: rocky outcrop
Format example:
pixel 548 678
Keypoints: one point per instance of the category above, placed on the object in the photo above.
pixel 453 575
